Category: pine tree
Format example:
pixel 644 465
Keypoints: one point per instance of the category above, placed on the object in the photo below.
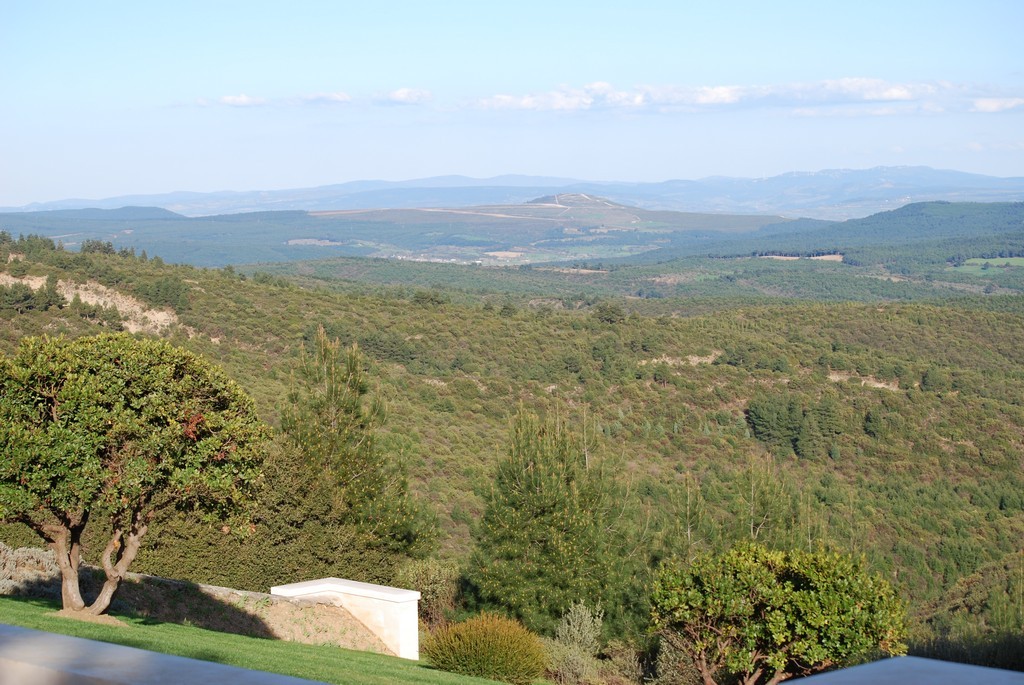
pixel 549 535
pixel 329 422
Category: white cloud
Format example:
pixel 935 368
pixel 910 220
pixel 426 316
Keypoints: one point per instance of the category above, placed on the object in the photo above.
pixel 692 98
pixel 555 100
pixel 858 110
pixel 406 96
pixel 718 95
pixel 337 98
pixel 602 94
pixel 872 89
pixel 993 105
pixel 242 100
pixel 853 92
pixel 854 96
pixel 597 95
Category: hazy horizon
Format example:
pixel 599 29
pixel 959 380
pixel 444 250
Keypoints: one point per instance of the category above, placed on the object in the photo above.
pixel 502 180
pixel 108 101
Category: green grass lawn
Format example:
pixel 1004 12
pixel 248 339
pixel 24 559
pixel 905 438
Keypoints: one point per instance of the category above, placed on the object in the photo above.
pixel 325 663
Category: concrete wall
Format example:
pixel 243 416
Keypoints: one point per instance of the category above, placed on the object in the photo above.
pixel 391 613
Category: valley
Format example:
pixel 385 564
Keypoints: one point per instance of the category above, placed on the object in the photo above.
pixel 854 386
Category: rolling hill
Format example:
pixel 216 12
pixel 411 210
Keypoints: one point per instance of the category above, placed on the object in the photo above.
pixel 843 403
pixel 828 194
pixel 564 228
pixel 557 228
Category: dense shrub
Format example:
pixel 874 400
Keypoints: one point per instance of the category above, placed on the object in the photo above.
pixel 301 532
pixel 572 655
pixel 761 615
pixel 569 665
pixel 621 664
pixel 672 666
pixel 489 646
pixel 438 585
pixel 166 291
pixel 580 627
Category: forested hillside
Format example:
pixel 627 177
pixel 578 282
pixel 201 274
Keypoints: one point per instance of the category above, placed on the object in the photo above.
pixel 886 428
pixel 922 242
pixel 927 251
pixel 556 228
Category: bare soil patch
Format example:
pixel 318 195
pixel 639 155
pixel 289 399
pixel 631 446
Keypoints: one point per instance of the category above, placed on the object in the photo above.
pixel 102 619
pixel 34 282
pixel 690 360
pixel 136 316
pixel 840 376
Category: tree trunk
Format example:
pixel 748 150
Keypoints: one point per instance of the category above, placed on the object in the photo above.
pixel 125 547
pixel 103 600
pixel 70 593
pixel 707 673
pixel 752 678
pixel 65 541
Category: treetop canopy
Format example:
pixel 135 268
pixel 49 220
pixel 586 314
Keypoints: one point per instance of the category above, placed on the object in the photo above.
pixel 117 422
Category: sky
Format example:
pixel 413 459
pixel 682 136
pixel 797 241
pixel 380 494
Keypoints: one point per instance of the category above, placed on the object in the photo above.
pixel 101 99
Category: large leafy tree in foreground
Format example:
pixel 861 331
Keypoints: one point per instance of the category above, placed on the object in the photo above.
pixel 119 429
pixel 754 615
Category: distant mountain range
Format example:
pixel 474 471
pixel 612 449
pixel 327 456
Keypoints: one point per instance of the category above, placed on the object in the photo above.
pixel 559 228
pixel 829 194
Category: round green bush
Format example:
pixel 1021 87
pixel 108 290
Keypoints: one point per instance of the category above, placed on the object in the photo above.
pixel 488 646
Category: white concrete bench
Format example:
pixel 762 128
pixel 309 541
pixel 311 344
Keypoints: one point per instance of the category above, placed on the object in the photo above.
pixel 390 612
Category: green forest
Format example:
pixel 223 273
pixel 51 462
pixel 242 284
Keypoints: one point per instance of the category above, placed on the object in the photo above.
pixel 872 404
